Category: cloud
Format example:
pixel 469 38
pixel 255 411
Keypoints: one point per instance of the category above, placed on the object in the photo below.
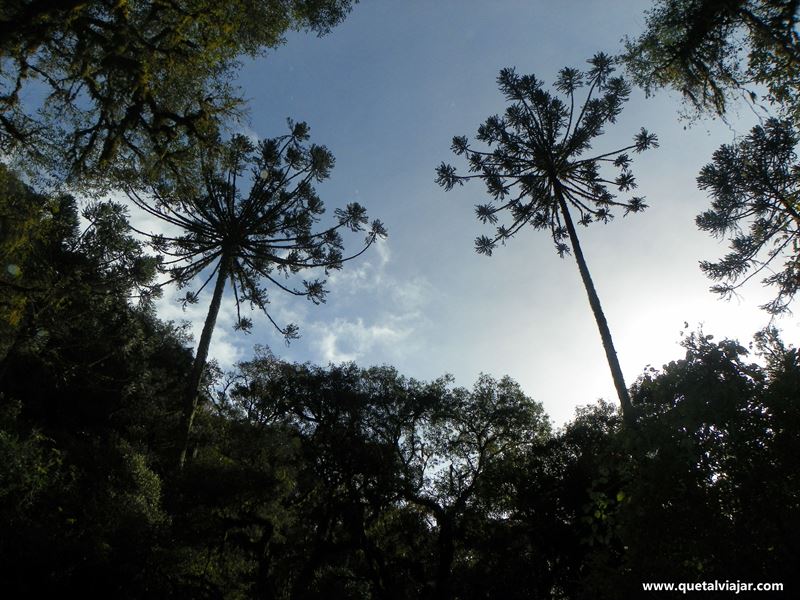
pixel 344 341
pixel 367 273
pixel 372 315
pixel 247 131
pixel 412 295
pixel 391 319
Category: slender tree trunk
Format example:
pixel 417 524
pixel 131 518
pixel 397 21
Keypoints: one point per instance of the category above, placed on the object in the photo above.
pixel 597 309
pixel 192 393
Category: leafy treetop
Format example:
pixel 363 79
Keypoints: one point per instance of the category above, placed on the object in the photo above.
pixel 267 234
pixel 754 186
pixel 539 150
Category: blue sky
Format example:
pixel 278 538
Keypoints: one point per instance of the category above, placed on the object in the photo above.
pixel 386 91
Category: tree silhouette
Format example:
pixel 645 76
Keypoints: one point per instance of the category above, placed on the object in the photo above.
pixel 754 182
pixel 246 239
pixel 537 167
pixel 408 472
pixel 34 229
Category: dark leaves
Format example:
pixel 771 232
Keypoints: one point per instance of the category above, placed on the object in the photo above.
pixel 622 161
pixel 603 215
pixel 315 291
pixel 290 332
pixel 300 131
pixel 602 66
pixel 754 187
pixel 268 231
pixel 353 217
pixel 378 229
pixel 460 145
pixel 636 204
pixel 187 299
pixel 712 51
pixel 625 181
pixel 446 176
pixel 244 324
pixel 569 80
pixel 645 140
pixel 486 213
pixel 540 144
pixel 492 131
pixel 484 245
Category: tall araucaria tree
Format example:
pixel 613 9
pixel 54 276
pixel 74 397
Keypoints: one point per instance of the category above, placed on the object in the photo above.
pixel 538 169
pixel 264 236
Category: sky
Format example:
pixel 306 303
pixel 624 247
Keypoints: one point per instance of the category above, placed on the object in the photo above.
pixel 386 91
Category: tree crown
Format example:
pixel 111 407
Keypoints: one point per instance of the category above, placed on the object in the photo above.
pixel 754 186
pixel 712 51
pixel 540 150
pixel 266 234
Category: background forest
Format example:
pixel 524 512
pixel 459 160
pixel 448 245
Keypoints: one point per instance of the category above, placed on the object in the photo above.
pixel 142 455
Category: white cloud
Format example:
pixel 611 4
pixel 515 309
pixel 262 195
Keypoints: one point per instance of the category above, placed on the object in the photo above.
pixel 366 273
pixel 247 131
pixel 344 341
pixel 390 317
pixel 391 326
pixel 412 295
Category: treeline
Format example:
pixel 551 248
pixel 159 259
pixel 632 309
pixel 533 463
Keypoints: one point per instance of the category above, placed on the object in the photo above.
pixel 341 482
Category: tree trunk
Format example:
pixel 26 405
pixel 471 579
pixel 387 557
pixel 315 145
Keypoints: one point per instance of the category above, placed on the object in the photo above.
pixel 447 550
pixel 599 317
pixel 192 393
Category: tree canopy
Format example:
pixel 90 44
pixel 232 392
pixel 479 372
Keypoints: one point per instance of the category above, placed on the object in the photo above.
pixel 266 234
pixel 143 80
pixel 310 481
pixel 713 50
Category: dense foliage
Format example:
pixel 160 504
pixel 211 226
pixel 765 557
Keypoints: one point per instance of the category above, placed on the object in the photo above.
pixel 714 50
pixel 141 80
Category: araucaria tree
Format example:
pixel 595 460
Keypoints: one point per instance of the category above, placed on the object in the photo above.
pixel 538 169
pixel 264 236
pixel 712 51
pixel 754 185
